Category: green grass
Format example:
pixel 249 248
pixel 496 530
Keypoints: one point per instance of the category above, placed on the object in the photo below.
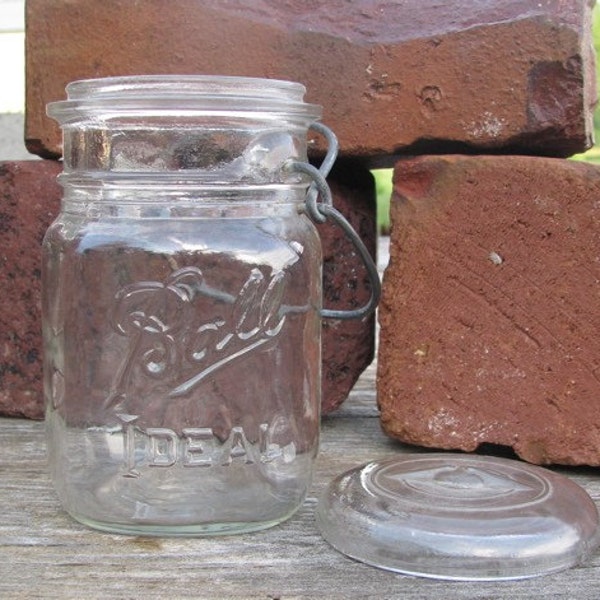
pixel 383 192
pixel 593 154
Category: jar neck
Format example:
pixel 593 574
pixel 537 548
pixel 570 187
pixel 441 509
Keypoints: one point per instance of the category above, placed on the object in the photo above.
pixel 213 130
pixel 154 199
pixel 210 151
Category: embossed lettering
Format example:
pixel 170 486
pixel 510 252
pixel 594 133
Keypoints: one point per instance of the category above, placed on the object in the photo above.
pixel 163 447
pixel 237 446
pixel 198 447
pixel 167 340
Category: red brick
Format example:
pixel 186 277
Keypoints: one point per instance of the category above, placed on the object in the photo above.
pixel 348 346
pixel 490 319
pixel 29 197
pixel 29 201
pixel 403 76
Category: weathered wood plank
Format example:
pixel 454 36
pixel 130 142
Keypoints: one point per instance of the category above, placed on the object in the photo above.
pixel 44 554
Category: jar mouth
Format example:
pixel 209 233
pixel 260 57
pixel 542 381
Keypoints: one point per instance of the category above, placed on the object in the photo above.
pixel 184 94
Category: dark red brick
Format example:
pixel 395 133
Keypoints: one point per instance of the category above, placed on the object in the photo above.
pixel 348 346
pixel 490 319
pixel 29 201
pixel 410 76
pixel 29 198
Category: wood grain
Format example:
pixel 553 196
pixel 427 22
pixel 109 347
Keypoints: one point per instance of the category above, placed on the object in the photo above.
pixel 45 554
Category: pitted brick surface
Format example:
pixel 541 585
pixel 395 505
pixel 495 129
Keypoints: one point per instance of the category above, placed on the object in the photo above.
pixel 348 345
pixel 393 77
pixel 490 319
pixel 29 201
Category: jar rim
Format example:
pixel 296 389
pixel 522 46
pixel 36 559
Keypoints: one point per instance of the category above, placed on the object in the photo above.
pixel 188 94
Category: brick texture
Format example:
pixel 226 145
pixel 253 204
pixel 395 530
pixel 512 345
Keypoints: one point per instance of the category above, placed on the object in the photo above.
pixel 490 327
pixel 348 346
pixel 404 76
pixel 29 201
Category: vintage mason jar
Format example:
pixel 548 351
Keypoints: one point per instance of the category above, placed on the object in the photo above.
pixel 182 304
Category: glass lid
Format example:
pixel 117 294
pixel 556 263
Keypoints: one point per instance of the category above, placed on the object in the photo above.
pixel 462 517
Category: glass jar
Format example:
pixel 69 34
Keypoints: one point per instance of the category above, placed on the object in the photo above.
pixel 182 305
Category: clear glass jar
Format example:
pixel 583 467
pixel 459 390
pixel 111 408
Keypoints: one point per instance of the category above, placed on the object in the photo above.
pixel 181 306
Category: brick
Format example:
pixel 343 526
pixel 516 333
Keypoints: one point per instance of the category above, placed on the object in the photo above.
pixel 348 345
pixel 29 201
pixel 490 318
pixel 394 77
pixel 29 197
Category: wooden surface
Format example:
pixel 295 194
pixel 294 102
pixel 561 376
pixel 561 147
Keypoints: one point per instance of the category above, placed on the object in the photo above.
pixel 45 554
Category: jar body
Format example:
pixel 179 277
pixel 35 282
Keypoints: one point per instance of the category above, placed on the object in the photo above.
pixel 182 359
pixel 181 306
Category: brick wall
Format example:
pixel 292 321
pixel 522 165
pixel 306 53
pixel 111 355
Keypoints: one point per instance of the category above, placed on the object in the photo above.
pixel 398 79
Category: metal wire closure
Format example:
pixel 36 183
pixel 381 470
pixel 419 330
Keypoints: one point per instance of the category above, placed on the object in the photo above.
pixel 323 210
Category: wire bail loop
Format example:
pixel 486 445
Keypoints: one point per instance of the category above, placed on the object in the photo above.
pixel 324 210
